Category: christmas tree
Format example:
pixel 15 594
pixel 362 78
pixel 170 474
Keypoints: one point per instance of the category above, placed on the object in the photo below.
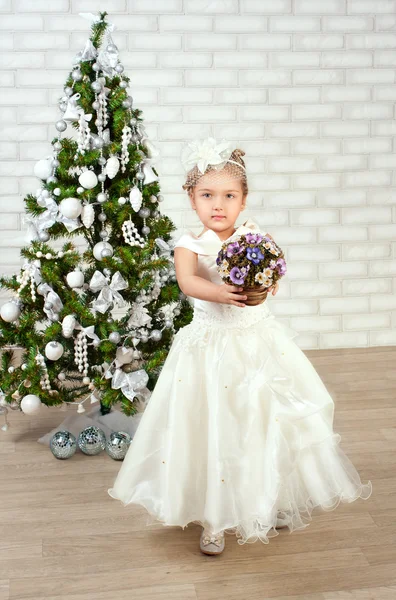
pixel 99 184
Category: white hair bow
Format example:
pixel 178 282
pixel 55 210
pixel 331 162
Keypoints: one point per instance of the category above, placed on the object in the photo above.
pixel 204 153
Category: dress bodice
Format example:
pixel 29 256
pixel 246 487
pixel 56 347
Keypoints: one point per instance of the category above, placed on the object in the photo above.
pixel 207 247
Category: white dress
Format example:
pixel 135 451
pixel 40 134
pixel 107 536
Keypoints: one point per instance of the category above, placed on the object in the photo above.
pixel 239 427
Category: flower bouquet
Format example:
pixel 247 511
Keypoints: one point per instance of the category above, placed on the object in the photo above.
pixel 252 261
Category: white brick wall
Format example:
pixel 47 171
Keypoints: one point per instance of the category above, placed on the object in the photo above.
pixel 305 87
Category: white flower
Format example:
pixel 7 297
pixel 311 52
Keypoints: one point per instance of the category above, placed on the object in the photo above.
pixel 204 153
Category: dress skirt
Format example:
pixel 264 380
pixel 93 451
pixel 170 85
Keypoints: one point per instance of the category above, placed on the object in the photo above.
pixel 238 431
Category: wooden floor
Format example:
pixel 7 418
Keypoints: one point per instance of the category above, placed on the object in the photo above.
pixel 63 537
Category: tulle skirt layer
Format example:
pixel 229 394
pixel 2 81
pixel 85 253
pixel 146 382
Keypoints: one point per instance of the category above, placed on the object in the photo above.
pixel 238 432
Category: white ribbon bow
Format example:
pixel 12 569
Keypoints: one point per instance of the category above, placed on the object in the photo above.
pixel 131 384
pixel 109 294
pixel 88 331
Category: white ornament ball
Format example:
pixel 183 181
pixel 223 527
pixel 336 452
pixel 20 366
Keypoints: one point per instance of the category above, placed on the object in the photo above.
pixel 43 169
pixel 30 404
pixel 53 350
pixel 10 312
pixel 122 200
pixel 100 247
pixel 70 208
pixel 88 180
pixel 75 279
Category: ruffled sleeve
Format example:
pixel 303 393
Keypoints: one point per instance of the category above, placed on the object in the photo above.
pixel 203 245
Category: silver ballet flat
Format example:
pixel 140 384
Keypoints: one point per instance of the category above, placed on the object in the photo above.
pixel 282 523
pixel 211 543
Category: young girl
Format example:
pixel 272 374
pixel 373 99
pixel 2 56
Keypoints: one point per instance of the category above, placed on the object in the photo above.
pixel 238 433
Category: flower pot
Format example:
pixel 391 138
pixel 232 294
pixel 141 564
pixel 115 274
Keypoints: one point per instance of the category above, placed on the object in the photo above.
pixel 256 294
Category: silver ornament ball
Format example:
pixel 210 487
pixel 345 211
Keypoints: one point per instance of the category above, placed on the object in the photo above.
pixel 114 337
pixel 77 75
pixel 98 142
pixel 123 84
pixel 102 217
pixel 44 236
pixel 156 335
pixel 96 86
pixel 144 212
pixel 61 125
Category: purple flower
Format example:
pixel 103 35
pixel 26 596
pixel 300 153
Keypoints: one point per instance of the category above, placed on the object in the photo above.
pixel 238 275
pixel 233 248
pixel 253 238
pixel 281 266
pixel 254 255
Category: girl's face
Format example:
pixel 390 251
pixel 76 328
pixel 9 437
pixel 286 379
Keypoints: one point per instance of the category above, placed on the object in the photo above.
pixel 218 196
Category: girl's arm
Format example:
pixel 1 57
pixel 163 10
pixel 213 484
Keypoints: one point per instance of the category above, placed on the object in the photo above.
pixel 186 264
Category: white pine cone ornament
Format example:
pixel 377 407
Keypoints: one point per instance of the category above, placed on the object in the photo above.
pixel 88 215
pixel 68 325
pixel 135 198
pixel 112 167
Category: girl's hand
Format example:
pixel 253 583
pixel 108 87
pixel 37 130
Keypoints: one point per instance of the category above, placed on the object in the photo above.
pixel 230 294
pixel 274 288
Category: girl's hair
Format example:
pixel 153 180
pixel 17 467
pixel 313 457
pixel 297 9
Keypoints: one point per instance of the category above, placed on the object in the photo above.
pixel 232 169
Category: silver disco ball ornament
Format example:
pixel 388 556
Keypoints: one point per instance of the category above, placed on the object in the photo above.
pixel 118 444
pixel 91 440
pixel 63 444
